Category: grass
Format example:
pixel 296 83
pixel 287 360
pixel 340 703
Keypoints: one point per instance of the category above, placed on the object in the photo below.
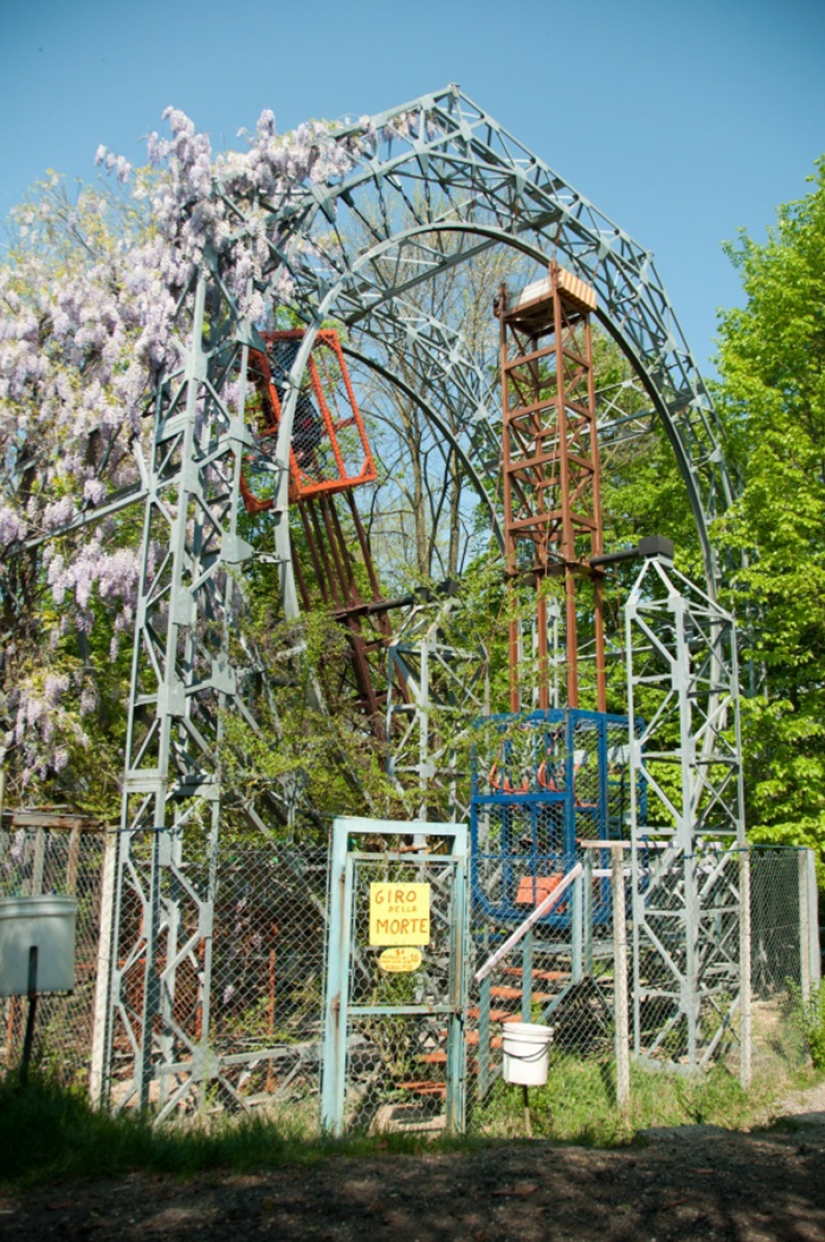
pixel 809 1019
pixel 49 1131
pixel 578 1103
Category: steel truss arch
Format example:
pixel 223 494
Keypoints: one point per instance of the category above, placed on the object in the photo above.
pixel 459 173
pixel 443 163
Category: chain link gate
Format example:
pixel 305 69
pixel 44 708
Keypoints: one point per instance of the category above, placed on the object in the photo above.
pixel 396 987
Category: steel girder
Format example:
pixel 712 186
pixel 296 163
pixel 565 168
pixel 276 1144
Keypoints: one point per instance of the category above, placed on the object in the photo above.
pixel 690 978
pixel 442 183
pixel 190 671
pixel 442 682
pixel 445 182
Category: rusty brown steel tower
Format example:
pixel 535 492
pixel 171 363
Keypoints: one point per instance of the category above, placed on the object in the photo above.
pixel 552 503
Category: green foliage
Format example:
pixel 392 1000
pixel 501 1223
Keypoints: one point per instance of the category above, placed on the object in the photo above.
pixel 578 1104
pixel 314 748
pixel 772 398
pixel 808 1016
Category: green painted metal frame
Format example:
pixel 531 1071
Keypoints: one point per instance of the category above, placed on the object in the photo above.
pixel 337 1006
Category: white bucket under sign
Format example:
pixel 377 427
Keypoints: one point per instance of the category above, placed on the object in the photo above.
pixel 526 1047
pixel 47 922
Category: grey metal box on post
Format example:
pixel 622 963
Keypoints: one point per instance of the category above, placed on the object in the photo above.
pixel 47 923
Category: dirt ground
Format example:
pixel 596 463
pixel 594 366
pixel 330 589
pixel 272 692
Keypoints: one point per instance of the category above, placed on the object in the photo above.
pixel 691 1182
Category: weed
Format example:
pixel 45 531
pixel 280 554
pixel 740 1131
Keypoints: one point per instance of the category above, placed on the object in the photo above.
pixel 578 1103
pixel 810 1016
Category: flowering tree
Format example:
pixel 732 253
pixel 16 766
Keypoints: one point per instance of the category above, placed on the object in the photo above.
pixel 90 315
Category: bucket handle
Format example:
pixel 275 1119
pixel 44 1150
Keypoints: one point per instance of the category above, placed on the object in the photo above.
pixel 531 1056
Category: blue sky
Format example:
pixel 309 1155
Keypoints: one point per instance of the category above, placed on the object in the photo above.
pixel 683 120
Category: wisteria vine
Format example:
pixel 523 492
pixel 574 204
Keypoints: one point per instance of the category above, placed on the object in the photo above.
pixel 89 292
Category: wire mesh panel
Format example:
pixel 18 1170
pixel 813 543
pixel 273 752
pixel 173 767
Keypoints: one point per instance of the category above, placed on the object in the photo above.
pixel 775 925
pixel 65 862
pixel 239 977
pixel 395 993
pixel 687 975
pixel 267 972
pixel 560 972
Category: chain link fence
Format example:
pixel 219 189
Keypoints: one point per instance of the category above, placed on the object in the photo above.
pixel 263 1002
pixel 65 861
pixel 241 984
pixel 560 973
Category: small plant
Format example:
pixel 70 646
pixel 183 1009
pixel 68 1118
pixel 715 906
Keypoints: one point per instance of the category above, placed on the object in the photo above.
pixel 812 1023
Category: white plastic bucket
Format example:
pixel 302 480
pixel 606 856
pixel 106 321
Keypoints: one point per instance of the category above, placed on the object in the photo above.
pixel 49 923
pixel 526 1047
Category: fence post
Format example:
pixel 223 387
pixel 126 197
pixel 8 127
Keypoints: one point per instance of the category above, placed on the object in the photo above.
pixel 745 1027
pixel 804 927
pixel 813 921
pixel 98 1088
pixel 587 912
pixel 577 929
pixel 620 978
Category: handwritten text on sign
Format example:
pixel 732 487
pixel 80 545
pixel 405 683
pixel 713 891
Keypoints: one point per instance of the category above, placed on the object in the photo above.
pixel 399 913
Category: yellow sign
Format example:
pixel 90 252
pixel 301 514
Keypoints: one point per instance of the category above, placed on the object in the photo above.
pixel 400 961
pixel 399 914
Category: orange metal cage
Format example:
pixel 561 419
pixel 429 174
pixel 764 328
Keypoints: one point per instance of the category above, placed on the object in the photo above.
pixel 329 451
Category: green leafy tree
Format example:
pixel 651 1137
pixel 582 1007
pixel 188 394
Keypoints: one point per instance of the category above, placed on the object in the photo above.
pixel 772 396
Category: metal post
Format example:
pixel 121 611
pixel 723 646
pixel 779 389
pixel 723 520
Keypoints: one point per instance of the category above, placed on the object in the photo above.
pixel 456 1059
pixel 39 863
pixel 577 929
pixel 333 1064
pixel 98 1086
pixel 813 921
pixel 30 1016
pixel 587 912
pixel 804 927
pixel 620 997
pixel 745 1027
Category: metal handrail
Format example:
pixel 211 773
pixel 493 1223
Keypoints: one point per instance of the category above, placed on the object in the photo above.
pixel 542 908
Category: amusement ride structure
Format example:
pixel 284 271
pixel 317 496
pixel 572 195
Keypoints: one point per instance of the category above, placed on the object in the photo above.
pixel 264 421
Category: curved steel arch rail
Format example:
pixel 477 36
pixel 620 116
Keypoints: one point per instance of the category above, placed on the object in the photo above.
pixel 444 182
pixel 439 183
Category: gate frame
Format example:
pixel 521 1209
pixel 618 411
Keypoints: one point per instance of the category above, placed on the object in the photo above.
pixel 337 1008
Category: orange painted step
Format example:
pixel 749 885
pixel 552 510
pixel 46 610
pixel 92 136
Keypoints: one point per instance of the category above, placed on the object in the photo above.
pixel 496 1015
pixel 433 1058
pixel 471 1039
pixel 504 993
pixel 424 1088
pixel 518 971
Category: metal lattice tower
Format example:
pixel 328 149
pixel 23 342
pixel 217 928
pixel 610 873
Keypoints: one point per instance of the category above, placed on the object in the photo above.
pixel 436 689
pixel 184 677
pixel 552 500
pixel 690 980
pixel 442 183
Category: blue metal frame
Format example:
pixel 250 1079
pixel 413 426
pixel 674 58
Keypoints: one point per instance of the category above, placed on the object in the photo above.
pixel 527 849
